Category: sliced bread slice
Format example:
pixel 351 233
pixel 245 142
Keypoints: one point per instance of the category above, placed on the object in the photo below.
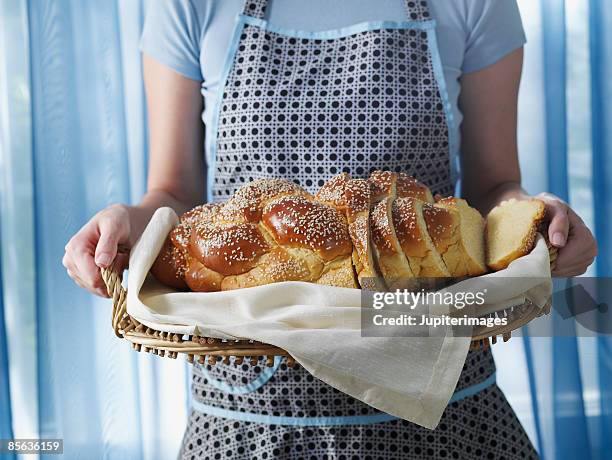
pixel 471 234
pixel 408 187
pixel 413 236
pixel 333 191
pixel 401 185
pixel 358 203
pixel 511 230
pixel 443 228
pixel 393 264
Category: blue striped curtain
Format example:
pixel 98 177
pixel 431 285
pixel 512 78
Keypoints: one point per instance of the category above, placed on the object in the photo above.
pixel 601 97
pixel 569 376
pixel 74 105
pixel 6 427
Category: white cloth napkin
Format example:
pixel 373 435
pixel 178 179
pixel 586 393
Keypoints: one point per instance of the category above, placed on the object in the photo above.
pixel 411 378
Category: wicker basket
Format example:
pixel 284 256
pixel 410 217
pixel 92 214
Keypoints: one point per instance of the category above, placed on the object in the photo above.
pixel 212 350
pixel 200 349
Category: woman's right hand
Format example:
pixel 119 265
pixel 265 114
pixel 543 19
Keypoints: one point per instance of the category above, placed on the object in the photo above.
pixel 101 242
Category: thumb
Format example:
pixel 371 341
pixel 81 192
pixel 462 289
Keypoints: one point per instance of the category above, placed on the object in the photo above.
pixel 558 226
pixel 106 249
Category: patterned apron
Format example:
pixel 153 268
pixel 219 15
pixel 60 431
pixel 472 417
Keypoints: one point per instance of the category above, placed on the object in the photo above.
pixel 306 106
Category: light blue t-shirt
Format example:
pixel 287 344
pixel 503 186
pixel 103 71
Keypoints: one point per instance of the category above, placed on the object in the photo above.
pixel 192 36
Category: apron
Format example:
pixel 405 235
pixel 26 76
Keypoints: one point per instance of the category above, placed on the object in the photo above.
pixel 306 106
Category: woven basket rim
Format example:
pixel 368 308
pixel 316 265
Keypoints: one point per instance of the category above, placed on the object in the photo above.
pixel 211 349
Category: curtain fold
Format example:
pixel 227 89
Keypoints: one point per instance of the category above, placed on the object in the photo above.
pixel 16 209
pixel 86 380
pixel 73 140
pixel 567 425
pixel 6 426
pixel 568 405
pixel 600 47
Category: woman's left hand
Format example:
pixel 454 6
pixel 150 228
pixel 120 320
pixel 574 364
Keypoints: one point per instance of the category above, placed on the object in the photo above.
pixel 567 231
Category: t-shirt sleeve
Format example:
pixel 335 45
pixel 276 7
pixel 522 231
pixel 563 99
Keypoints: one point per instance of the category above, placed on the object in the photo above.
pixel 171 35
pixel 495 29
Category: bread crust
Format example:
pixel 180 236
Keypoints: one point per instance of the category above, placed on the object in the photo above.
pixel 173 262
pixel 443 227
pixel 399 185
pixel 263 235
pixel 296 221
pixel 392 262
pixel 170 266
pixel 413 236
pixel 333 191
pixel 249 200
pixel 375 233
pixel 358 202
pixel 471 235
pixel 228 249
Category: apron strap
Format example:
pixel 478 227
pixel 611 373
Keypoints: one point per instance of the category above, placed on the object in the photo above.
pixel 418 10
pixel 255 8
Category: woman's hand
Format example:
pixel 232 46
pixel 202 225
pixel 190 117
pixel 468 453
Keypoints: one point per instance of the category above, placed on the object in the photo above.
pixel 102 242
pixel 567 231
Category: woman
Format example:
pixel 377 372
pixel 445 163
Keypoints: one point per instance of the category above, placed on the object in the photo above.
pixel 304 90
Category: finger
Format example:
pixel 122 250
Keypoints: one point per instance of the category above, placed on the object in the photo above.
pixel 96 291
pixel 558 226
pixel 564 262
pixel 580 248
pixel 102 292
pixel 67 261
pixel 76 279
pixel 73 275
pixel 106 249
pixel 576 263
pixel 72 271
pixel 567 272
pixel 86 268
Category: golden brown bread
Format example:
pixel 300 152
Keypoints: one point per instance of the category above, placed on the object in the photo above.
pixel 248 201
pixel 202 279
pixel 170 266
pixel 228 248
pixel 397 260
pixel 400 185
pixel 353 232
pixel 392 262
pixel 172 263
pixel 471 235
pixel 297 221
pixel 413 236
pixel 443 228
pixel 358 203
pixel 267 235
pixel 333 191
pixel 452 233
pixel 511 230
pixel 181 234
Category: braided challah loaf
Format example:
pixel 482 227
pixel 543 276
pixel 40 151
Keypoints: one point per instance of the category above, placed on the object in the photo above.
pixel 270 231
pixel 386 231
